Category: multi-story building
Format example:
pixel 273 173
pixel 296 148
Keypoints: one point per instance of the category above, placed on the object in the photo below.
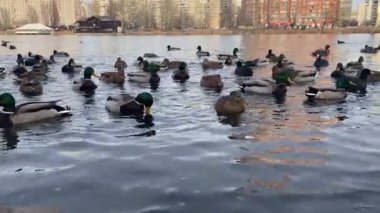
pixel 374 9
pixel 213 14
pixel 345 11
pixel 364 13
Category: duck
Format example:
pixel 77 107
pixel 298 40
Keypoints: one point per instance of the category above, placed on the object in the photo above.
pixel 18 70
pixel 356 64
pixel 33 61
pixel 170 48
pixel 243 70
pixel 113 77
pixel 225 56
pixel 12 47
pixel 369 49
pixel 41 68
pixel 182 74
pixel 120 64
pixel 341 42
pixel 139 61
pixel 354 84
pixel 148 76
pixel 322 52
pixel 230 105
pixel 20 60
pixel 338 72
pixel 31 87
pixel 86 84
pixel 281 57
pixel 207 64
pixel 30 76
pixel 325 94
pixel 374 77
pixel 51 60
pixel 60 54
pixel 270 54
pixel 213 81
pixel 288 75
pixel 12 115
pixel 4 43
pixel 127 105
pixel 264 87
pixel 69 68
pixel 320 63
pixel 167 64
pixel 256 62
pixel 201 53
pixel 150 55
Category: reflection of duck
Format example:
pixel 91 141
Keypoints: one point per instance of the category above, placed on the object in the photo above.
pixel 265 87
pixel 325 94
pixel 32 87
pixel 320 62
pixel 225 56
pixel 322 52
pixel 170 48
pixel 232 104
pixel 28 112
pixel 212 81
pixel 207 64
pixel 201 53
pixel 86 84
pixel 128 105
pixel 243 70
pixel 182 74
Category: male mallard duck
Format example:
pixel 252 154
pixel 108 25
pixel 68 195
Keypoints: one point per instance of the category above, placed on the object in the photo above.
pixel 170 48
pixel 201 53
pixel 243 70
pixel 369 49
pixel 60 54
pixel 288 75
pixel 270 54
pixel 356 64
pixel 264 87
pixel 225 56
pixel 354 84
pixel 207 64
pixel 139 62
pixel 320 63
pixel 120 64
pixel 31 88
pixel 212 81
pixel 322 52
pixel 325 94
pixel 128 105
pixel 150 55
pixel 25 113
pixel 86 84
pixel 230 105
pixel 148 76
pixel 182 74
pixel 12 47
pixel 51 60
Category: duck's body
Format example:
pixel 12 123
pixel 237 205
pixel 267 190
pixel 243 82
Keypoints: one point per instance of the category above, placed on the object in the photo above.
pixel 26 113
pixel 288 75
pixel 113 77
pixel 354 84
pixel 139 77
pixel 51 60
pixel 181 75
pixel 256 62
pixel 341 42
pixel 244 71
pixel 170 48
pixel 60 54
pixel 170 64
pixel 270 54
pixel 150 55
pixel 31 88
pixel 230 105
pixel 12 47
pixel 18 70
pixel 262 86
pixel 207 64
pixel 320 63
pixel 325 94
pixel 120 64
pixel 31 62
pixel 322 52
pixel 356 64
pixel 226 56
pixel 40 68
pixel 128 105
pixel 212 81
pixel 31 76
pixel 86 84
pixel 201 53
pixel 369 49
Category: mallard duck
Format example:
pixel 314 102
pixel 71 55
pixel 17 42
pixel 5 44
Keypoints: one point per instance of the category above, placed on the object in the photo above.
pixel 374 77
pixel 20 60
pixel 33 61
pixel 256 62
pixel 356 64
pixel 270 54
pixel 113 77
pixel 354 84
pixel 288 75
pixel 60 54
pixel 325 94
pixel 138 62
pixel 86 84
pixel 31 87
pixel 4 43
pixel 338 72
pixel 120 64
pixel 341 42
pixel 166 64
pixel 264 87
pixel 127 105
pixel 182 74
pixel 18 70
pixel 12 47
pixel 207 64
pixel 148 76
pixel 41 68
pixel 29 76
pixel 170 48
pixel 230 105
pixel 370 50
pixel 71 67
pixel 320 63
pixel 51 60
pixel 150 55
pixel 212 81
pixel 225 56
pixel 322 52
pixel 31 112
pixel 243 70
pixel 281 57
pixel 201 53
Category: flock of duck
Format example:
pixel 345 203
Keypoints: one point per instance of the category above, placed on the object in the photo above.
pixel 32 69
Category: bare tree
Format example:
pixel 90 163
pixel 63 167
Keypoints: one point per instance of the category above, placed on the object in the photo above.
pixel 5 19
pixel 168 14
pixel 114 9
pixel 45 16
pixel 32 14
pixel 54 17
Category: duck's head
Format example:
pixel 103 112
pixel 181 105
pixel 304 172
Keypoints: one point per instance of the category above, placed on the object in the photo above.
pixel 199 48
pixel 140 59
pixel 19 56
pixel 169 47
pixel 30 54
pixel 339 67
pixel 239 64
pixel 71 62
pixel 361 59
pixel 235 50
pixel 145 99
pixel 366 46
pixel 8 103
pixel 88 72
pixel 364 74
pixel 327 47
pixel 182 66
pixel 270 51
pixel 153 68
pixel 55 52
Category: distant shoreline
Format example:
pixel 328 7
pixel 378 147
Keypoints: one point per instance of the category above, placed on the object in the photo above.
pixel 351 30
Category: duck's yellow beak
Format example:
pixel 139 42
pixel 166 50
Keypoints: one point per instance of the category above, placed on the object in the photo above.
pixel 94 74
pixel 147 111
pixel 291 82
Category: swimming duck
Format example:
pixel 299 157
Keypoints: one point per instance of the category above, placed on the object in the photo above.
pixel 30 76
pixel 201 53
pixel 256 62
pixel 374 77
pixel 150 55
pixel 173 48
pixel 354 84
pixel 341 42
pixel 18 70
pixel 113 77
pixel 288 75
pixel 31 112
pixel 41 68
pixel 243 70
pixel 33 61
pixel 127 105
pixel 31 88
pixel 170 64
pixel 270 54
pixel 264 87
pixel 320 63
pixel 225 56
pixel 325 94
pixel 148 76
pixel 322 52
pixel 356 64
pixel 182 74
pixel 51 60
pixel 120 64
pixel 12 47
pixel 69 68
pixel 213 81
pixel 230 105
pixel 276 59
pixel 207 64
pixel 138 62
pixel 20 60
pixel 370 50
pixel 86 84
pixel 60 54
pixel 338 72
pixel 4 43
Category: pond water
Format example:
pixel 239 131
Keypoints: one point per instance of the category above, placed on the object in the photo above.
pixel 295 158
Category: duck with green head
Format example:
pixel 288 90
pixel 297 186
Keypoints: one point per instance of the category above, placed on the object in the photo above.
pixel 354 84
pixel 149 74
pixel 31 112
pixel 130 106
pixel 86 84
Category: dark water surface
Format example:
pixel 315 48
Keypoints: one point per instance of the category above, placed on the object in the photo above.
pixel 295 158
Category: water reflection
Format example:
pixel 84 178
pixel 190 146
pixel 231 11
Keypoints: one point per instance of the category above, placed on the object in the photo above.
pixel 10 139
